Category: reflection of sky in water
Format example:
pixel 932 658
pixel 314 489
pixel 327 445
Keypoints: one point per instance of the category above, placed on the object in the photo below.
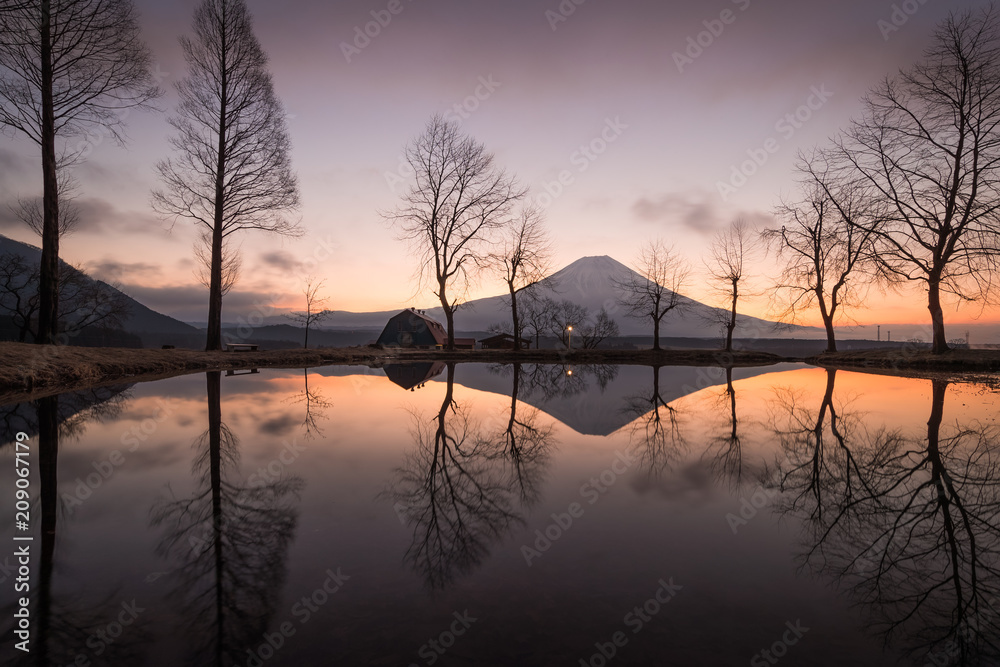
pixel 738 590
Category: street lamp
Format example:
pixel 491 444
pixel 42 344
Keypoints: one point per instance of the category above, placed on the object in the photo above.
pixel 570 330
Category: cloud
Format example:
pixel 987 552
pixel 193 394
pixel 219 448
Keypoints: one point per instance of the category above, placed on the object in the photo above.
pixel 190 302
pixel 696 212
pixel 110 270
pixel 97 216
pixel 280 259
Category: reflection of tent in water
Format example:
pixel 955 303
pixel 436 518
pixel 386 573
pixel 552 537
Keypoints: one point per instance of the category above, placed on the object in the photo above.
pixel 411 376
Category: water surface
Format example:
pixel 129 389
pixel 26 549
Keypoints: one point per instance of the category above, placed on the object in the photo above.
pixel 531 515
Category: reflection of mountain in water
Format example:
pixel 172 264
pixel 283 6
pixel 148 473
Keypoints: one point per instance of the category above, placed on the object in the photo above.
pixel 592 403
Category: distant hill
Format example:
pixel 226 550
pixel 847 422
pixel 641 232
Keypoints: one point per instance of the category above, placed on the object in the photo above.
pixel 153 328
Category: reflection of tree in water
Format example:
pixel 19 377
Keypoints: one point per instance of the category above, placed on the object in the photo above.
pixel 315 405
pixel 910 525
pixel 63 624
pixel 524 443
pixel 655 429
pixel 73 412
pixel 229 541
pixel 725 446
pixel 552 381
pixel 459 487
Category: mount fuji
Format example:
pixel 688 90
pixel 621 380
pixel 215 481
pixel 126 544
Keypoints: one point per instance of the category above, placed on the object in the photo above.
pixel 591 282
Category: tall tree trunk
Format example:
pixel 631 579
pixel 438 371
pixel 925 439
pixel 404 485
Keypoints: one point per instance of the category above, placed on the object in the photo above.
pixel 514 318
pixel 214 335
pixel 47 410
pixel 48 280
pixel 831 336
pixel 656 333
pixel 731 325
pixel 214 382
pixel 305 343
pixel 449 315
pixel 940 342
pixel 827 315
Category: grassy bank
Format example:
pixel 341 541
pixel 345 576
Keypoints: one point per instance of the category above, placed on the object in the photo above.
pixel 30 371
pixel 954 361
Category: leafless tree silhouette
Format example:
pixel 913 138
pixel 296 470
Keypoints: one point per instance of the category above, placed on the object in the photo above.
pixel 31 211
pixel 460 199
pixel 592 334
pixel 656 429
pixel 908 525
pixel 84 302
pixel 315 404
pixel 827 245
pixel 523 259
pixel 316 310
pixel 729 256
pixel 67 67
pixel 655 289
pixel 229 541
pixel 232 263
pixel 232 166
pixel 928 143
pixel 454 492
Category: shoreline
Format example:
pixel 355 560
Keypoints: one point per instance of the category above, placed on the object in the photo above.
pixel 28 372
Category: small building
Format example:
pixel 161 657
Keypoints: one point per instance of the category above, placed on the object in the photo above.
pixel 503 342
pixel 415 329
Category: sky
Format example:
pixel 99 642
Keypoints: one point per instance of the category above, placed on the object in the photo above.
pixel 619 98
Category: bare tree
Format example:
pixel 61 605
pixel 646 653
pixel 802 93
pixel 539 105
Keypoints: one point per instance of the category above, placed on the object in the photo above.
pixel 928 143
pixel 565 317
pixel 232 169
pixel 459 199
pixel 827 248
pixel 83 302
pixel 726 265
pixel 31 211
pixel 532 314
pixel 315 311
pixel 654 290
pixel 232 264
pixel 602 328
pixel 67 66
pixel 523 259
